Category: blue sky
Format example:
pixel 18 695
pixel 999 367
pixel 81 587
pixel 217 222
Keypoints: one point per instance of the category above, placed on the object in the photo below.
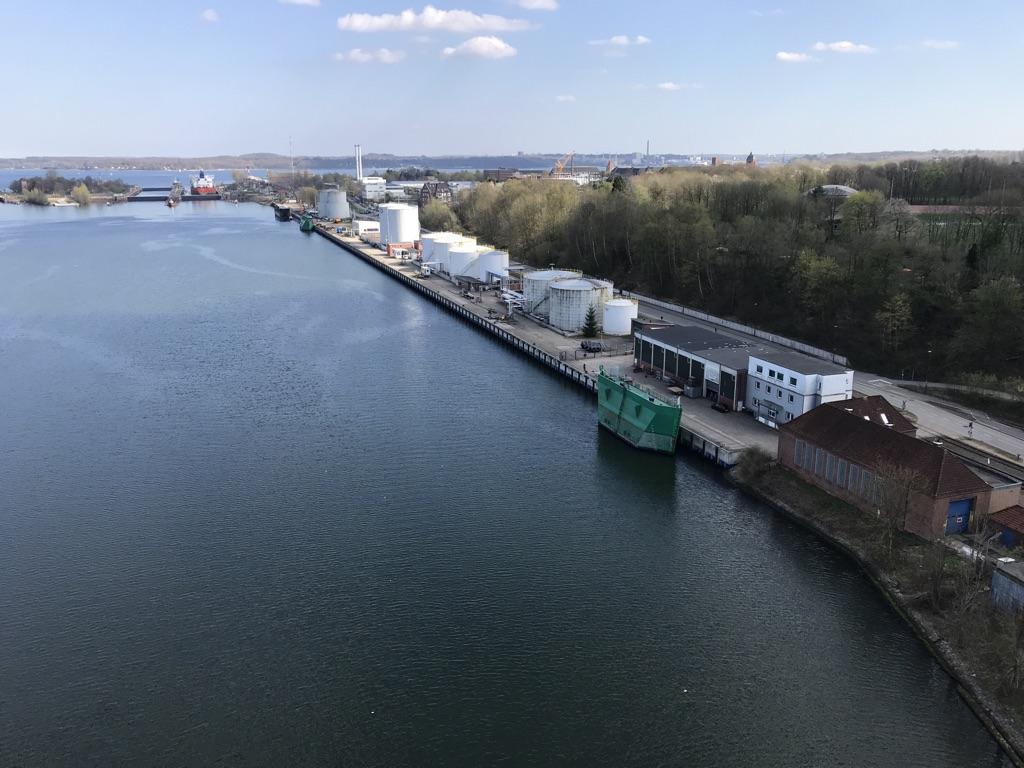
pixel 499 76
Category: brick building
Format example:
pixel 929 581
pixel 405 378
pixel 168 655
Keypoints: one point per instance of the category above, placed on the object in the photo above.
pixel 841 452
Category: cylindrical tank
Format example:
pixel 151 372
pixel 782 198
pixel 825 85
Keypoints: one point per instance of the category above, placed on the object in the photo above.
pixel 399 223
pixel 443 248
pixel 619 315
pixel 491 264
pixel 427 243
pixel 462 258
pixel 333 203
pixel 535 287
pixel 571 298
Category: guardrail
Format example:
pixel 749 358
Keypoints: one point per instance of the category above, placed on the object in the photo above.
pixel 782 341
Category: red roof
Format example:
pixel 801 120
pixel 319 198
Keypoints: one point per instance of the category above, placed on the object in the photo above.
pixel 868 444
pixel 877 409
pixel 1011 518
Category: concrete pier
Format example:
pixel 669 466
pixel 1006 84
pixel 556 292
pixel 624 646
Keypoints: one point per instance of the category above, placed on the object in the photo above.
pixel 717 437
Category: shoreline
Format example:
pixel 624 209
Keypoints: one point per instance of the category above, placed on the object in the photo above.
pixel 1004 729
pixel 993 715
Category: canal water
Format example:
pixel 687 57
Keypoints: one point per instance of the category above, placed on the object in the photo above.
pixel 261 506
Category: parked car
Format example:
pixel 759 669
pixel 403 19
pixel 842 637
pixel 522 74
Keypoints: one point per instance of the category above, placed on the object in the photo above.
pixel 590 345
pixel 720 407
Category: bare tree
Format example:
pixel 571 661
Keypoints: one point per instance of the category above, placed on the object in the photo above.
pixel 896 487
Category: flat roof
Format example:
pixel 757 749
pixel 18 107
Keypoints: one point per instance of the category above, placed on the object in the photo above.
pixel 797 361
pixel 691 338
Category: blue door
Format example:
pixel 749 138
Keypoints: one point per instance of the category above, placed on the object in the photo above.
pixel 959 516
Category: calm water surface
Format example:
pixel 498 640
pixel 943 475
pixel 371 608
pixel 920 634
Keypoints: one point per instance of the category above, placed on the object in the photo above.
pixel 262 506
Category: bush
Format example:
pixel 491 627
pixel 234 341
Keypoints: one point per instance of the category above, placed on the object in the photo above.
pixel 37 197
pixel 754 464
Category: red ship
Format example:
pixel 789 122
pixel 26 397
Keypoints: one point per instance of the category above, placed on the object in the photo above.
pixel 203 184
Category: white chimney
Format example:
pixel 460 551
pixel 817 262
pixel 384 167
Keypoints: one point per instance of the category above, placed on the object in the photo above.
pixel 359 162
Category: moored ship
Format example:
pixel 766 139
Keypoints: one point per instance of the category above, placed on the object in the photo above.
pixel 639 418
pixel 203 184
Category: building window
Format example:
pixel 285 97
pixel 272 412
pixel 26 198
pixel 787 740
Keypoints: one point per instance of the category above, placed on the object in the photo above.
pixel 792 381
pixel 757 384
pixel 798 453
pixel 867 485
pixel 771 373
pixel 830 468
pixel 819 461
pixel 760 369
pixel 841 473
pixel 791 398
pixel 768 390
pixel 854 479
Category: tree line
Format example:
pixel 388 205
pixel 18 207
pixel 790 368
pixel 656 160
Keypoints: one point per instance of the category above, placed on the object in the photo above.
pixel 905 295
pixel 52 184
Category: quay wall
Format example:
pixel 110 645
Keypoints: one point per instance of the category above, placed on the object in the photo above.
pixel 582 379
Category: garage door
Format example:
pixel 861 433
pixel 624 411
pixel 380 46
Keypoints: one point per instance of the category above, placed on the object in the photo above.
pixel 959 516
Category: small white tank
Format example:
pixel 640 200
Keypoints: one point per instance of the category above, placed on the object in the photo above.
pixel 461 259
pixel 490 264
pixel 619 315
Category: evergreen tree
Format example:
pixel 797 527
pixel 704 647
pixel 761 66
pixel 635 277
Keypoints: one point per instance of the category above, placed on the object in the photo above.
pixel 590 323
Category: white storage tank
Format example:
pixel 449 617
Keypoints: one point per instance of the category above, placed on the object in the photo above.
pixel 490 264
pixel 570 298
pixel 461 258
pixel 443 248
pixel 535 288
pixel 427 243
pixel 619 315
pixel 399 223
pixel 333 203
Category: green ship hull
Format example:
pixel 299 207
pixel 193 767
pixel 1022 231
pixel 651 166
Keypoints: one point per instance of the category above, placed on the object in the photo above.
pixel 306 223
pixel 640 419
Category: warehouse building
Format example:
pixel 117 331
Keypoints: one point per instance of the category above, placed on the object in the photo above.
pixel 842 453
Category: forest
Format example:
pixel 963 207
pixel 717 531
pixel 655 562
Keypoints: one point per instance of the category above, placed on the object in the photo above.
pixel 52 184
pixel 921 295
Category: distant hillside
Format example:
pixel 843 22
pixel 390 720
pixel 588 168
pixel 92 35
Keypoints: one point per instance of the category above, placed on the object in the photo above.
pixel 452 162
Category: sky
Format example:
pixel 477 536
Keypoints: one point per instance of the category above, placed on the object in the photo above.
pixel 203 77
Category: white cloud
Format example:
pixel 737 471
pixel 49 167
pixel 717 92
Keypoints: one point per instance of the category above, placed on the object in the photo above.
pixel 309 3
pixel 793 58
pixel 772 12
pixel 378 56
pixel 538 5
pixel 844 46
pixel 669 86
pixel 482 48
pixel 940 45
pixel 430 19
pixel 565 99
pixel 210 16
pixel 622 41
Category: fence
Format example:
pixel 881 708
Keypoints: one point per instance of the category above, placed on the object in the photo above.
pixel 782 341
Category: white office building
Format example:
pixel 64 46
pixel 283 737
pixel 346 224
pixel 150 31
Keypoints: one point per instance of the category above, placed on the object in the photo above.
pixel 782 385
pixel 375 188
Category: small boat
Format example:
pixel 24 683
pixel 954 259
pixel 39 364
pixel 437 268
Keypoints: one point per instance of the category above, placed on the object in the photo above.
pixel 306 223
pixel 171 202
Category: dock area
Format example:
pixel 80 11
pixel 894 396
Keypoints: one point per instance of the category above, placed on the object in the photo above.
pixel 716 436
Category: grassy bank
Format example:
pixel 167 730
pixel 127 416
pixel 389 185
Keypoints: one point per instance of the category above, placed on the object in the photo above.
pixel 944 598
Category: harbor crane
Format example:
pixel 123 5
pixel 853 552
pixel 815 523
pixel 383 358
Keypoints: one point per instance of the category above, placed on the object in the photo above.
pixel 561 163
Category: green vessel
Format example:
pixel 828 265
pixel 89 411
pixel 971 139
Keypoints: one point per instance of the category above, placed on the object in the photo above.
pixel 306 223
pixel 639 418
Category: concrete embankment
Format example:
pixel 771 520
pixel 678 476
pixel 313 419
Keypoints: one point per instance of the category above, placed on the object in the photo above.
pixel 1003 727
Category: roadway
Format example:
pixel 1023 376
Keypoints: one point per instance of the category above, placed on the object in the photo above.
pixel 935 417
